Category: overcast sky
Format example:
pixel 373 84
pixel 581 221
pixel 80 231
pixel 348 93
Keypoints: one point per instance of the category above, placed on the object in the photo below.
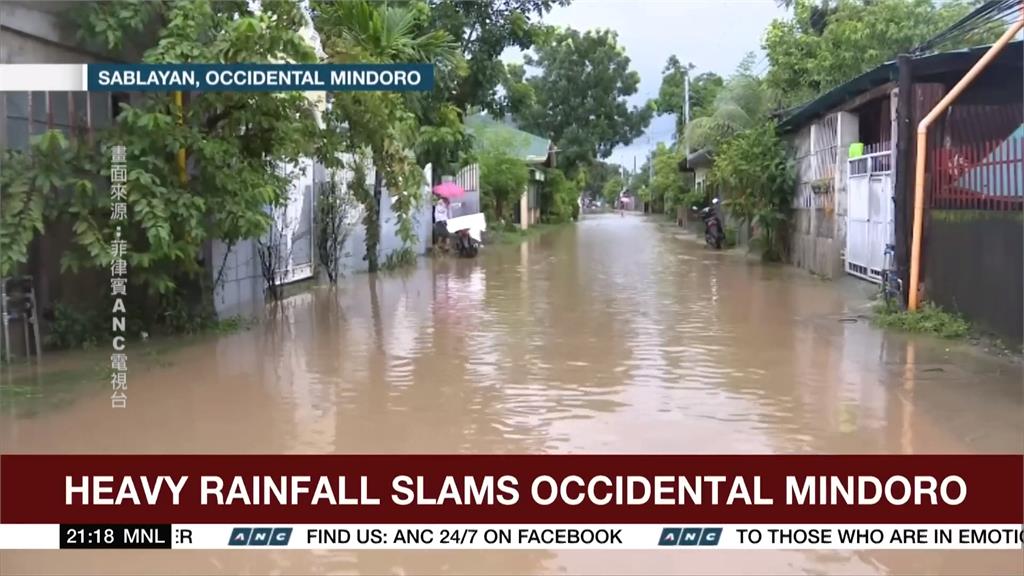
pixel 712 34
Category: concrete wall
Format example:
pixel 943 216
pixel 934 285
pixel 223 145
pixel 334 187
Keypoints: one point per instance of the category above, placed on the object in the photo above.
pixel 242 287
pixel 974 265
pixel 818 226
pixel 39 32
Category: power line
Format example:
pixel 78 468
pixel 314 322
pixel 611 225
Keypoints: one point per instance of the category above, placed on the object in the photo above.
pixel 981 17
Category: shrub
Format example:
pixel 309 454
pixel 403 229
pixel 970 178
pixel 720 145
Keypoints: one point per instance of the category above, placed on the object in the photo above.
pixel 398 259
pixel 928 319
pixel 559 197
pixel 73 328
pixel 755 170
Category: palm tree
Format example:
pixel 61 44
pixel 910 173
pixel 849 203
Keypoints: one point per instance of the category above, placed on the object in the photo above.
pixel 741 104
pixel 372 32
pixel 360 31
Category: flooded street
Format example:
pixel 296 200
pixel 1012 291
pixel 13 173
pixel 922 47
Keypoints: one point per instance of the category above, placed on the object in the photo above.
pixel 615 335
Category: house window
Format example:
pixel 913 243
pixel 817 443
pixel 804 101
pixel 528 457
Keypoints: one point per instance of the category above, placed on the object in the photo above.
pixel 73 113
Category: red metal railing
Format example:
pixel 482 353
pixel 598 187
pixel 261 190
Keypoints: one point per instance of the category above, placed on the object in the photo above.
pixel 981 176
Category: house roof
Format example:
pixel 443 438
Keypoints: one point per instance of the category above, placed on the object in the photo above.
pixel 530 147
pixel 702 158
pixel 930 65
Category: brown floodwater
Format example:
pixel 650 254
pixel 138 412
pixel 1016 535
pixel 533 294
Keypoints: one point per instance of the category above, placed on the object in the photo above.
pixel 615 335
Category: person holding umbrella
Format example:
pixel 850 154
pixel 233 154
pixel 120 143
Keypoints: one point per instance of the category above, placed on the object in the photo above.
pixel 440 220
pixel 444 192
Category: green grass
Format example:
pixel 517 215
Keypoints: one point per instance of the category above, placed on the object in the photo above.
pixel 928 319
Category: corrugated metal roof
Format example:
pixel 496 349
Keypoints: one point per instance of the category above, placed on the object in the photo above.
pixel 795 118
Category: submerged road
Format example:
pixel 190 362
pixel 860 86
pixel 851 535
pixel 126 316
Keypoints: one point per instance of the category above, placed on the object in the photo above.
pixel 611 336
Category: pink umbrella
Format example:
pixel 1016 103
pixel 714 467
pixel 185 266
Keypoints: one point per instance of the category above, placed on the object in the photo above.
pixel 448 190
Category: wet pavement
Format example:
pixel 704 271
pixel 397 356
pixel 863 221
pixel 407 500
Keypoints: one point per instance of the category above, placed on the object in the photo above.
pixel 611 336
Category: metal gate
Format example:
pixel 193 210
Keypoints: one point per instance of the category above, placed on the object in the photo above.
pixel 869 224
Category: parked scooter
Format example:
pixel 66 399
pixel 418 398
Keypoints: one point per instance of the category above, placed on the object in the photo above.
pixel 465 245
pixel 465 234
pixel 714 235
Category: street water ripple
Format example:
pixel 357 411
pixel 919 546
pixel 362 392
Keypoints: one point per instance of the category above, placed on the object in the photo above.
pixel 614 335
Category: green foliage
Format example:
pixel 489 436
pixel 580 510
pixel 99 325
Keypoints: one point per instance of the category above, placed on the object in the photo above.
pixel 730 237
pixel 398 259
pixel 740 104
pixel 667 188
pixel 383 123
pixel 559 202
pixel 827 43
pixel 482 31
pixel 598 174
pixel 928 319
pixel 694 197
pixel 235 142
pixel 612 188
pixel 73 328
pixel 580 95
pixel 503 176
pixel 754 170
pixel 30 186
pixel 704 89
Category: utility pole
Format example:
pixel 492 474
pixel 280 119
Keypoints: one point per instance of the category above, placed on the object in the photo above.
pixel 686 108
pixel 650 163
pixel 904 184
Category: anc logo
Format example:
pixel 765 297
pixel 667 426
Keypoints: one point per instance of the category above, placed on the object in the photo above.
pixel 689 536
pixel 260 537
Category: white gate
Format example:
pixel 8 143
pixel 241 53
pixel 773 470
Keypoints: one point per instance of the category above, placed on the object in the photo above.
pixel 869 224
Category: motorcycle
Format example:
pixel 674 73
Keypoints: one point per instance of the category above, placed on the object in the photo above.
pixel 465 245
pixel 465 234
pixel 714 235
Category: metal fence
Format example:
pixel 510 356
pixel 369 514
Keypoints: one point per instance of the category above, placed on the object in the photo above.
pixel 980 176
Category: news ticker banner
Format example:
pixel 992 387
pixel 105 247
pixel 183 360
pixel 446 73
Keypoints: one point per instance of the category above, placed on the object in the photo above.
pixel 512 537
pixel 217 77
pixel 512 501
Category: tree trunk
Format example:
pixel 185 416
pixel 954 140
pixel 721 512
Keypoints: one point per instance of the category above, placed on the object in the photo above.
pixel 373 221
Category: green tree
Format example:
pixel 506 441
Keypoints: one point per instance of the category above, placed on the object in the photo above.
pixel 236 142
pixel 827 43
pixel 503 176
pixel 483 31
pixel 740 104
pixel 612 188
pixel 667 187
pixel 480 32
pixel 598 174
pixel 560 197
pixel 672 94
pixel 580 95
pixel 380 122
pixel 754 168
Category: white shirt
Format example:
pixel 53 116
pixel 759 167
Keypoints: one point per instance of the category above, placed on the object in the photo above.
pixel 440 212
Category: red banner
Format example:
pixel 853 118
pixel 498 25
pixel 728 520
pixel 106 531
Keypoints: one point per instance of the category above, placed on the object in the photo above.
pixel 926 489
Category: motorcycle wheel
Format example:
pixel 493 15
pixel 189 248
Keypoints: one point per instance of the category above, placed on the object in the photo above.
pixel 714 237
pixel 467 248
